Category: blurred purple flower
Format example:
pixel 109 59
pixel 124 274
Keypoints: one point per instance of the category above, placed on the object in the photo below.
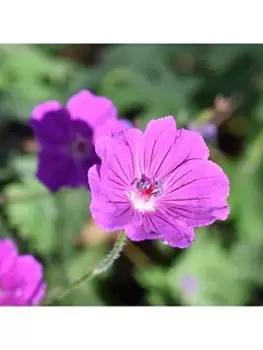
pixel 208 131
pixel 66 136
pixel 190 285
pixel 21 277
pixel 158 184
pixel 128 123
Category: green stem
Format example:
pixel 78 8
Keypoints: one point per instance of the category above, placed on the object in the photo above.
pixel 99 268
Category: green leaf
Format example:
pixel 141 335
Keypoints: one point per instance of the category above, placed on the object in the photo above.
pixel 24 166
pixel 221 57
pixel 33 211
pixel 246 204
pixel 126 88
pixel 33 78
pixel 171 96
pixel 248 256
pixel 156 298
pixel 138 57
pixel 87 293
pixel 73 205
pixel 4 233
pixel 152 277
pixel 205 275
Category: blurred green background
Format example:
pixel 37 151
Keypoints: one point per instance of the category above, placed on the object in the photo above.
pixel 195 83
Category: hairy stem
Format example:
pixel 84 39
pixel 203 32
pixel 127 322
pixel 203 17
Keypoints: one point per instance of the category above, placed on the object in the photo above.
pixel 97 269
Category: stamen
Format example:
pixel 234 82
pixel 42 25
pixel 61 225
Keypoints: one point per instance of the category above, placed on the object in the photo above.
pixel 144 193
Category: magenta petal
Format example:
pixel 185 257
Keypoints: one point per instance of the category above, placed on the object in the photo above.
pixel 111 127
pixel 10 300
pixel 157 226
pixel 94 110
pixel 102 210
pixel 109 210
pixel 140 233
pixel 163 148
pixel 21 277
pixel 118 169
pixel 30 273
pixel 8 254
pixel 175 233
pixel 158 133
pixel 196 193
pixel 39 293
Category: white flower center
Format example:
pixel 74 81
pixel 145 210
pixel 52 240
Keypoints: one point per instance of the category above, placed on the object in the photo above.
pixel 142 204
pixel 143 196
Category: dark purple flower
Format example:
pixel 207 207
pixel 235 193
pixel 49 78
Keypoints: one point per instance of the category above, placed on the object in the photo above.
pixel 21 277
pixel 66 136
pixel 158 184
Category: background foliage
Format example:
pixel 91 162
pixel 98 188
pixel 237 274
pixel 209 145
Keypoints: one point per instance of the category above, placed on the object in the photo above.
pixel 193 83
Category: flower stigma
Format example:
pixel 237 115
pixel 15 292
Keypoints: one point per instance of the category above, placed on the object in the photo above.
pixel 144 194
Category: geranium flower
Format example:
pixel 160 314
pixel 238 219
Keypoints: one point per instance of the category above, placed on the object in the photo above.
pixel 66 137
pixel 158 184
pixel 21 277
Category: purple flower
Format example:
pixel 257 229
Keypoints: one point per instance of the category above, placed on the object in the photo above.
pixel 128 123
pixel 66 136
pixel 21 277
pixel 190 285
pixel 208 131
pixel 158 184
pixel 112 128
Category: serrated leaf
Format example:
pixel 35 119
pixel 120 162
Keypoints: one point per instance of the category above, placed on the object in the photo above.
pixel 86 293
pixel 126 87
pixel 24 166
pixel 84 261
pixel 205 275
pixel 248 256
pixel 73 207
pixel 152 277
pixel 246 205
pixel 139 57
pixel 33 211
pixel 156 298
pixel 33 78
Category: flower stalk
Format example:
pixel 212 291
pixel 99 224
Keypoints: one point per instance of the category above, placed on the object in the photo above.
pixel 102 266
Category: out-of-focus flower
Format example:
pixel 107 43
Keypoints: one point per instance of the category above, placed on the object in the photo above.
pixel 66 137
pixel 128 123
pixel 208 131
pixel 158 184
pixel 190 286
pixel 21 277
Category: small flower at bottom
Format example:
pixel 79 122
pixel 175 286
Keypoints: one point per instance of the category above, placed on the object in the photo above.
pixel 158 184
pixel 21 277
pixel 66 136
